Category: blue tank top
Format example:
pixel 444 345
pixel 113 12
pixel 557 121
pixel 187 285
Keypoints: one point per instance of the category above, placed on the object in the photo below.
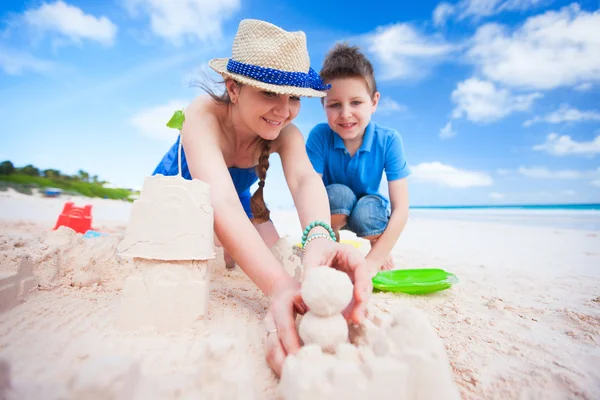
pixel 243 178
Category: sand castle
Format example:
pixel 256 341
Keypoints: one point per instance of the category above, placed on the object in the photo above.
pixel 326 292
pixel 15 287
pixel 170 237
pixel 400 359
pixel 396 356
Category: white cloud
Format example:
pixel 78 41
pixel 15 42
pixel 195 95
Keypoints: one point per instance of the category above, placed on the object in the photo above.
pixel 565 146
pixel 596 183
pixel 482 101
pixel 550 50
pixel 486 8
pixel 521 5
pixel 584 87
pixel 71 22
pixel 477 9
pixel 15 62
pixel 447 132
pixel 152 121
pixel 185 19
pixel 442 12
pixel 570 193
pixel 496 196
pixel 403 52
pixel 565 114
pixel 502 171
pixel 388 105
pixel 447 175
pixel 545 173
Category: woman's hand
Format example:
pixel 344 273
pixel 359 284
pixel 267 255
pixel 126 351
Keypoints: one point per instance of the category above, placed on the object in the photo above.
pixel 286 301
pixel 280 322
pixel 347 259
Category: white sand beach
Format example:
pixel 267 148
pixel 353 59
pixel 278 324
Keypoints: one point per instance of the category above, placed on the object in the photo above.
pixel 522 323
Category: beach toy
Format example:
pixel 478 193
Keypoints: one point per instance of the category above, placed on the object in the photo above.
pixel 414 281
pixel 94 234
pixel 355 243
pixel 77 218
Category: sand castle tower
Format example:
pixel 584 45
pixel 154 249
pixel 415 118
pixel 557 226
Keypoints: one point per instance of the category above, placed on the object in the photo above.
pixel 170 236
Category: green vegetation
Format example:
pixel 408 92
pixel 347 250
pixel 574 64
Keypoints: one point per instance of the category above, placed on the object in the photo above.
pixel 26 178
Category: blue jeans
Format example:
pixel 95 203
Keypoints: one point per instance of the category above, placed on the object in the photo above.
pixel 367 216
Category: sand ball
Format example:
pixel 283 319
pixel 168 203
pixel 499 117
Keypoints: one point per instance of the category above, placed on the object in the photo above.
pixel 327 332
pixel 326 291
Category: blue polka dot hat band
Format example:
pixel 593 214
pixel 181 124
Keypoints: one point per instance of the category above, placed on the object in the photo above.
pixel 310 80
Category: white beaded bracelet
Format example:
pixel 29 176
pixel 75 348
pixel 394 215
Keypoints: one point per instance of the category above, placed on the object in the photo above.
pixel 316 236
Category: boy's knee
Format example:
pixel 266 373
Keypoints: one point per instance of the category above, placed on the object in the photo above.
pixel 342 199
pixel 339 221
pixel 370 217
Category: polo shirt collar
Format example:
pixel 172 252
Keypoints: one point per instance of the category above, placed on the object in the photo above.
pixel 338 142
pixel 367 143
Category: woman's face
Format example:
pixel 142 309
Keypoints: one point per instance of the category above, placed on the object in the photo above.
pixel 265 113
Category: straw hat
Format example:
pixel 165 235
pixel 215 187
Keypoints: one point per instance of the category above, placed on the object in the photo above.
pixel 269 58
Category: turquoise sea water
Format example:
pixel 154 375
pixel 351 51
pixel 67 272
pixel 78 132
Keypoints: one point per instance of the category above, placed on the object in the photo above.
pixel 571 216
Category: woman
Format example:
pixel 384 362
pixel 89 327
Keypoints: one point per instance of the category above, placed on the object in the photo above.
pixel 227 140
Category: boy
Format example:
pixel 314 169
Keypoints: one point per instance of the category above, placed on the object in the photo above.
pixel 350 152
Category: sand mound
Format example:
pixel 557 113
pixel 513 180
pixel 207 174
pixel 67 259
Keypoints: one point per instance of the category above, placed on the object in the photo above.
pixel 391 356
pixel 65 258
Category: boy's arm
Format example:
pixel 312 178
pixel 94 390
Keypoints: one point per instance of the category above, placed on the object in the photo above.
pixel 397 171
pixel 383 246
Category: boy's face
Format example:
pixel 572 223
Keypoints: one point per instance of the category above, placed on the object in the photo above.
pixel 349 106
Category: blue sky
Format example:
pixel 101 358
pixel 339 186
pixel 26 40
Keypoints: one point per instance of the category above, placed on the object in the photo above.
pixel 498 101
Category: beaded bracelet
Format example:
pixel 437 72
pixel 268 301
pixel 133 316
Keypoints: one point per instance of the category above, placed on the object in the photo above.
pixel 312 225
pixel 315 236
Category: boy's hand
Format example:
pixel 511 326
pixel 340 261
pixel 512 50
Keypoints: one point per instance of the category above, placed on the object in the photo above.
pixel 372 267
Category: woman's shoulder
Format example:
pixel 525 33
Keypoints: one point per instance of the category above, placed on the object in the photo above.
pixel 290 136
pixel 203 116
pixel 205 106
pixel 292 129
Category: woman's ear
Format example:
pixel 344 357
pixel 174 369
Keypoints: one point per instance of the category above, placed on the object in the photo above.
pixel 233 89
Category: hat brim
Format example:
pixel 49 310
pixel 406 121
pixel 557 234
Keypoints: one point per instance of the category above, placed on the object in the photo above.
pixel 220 66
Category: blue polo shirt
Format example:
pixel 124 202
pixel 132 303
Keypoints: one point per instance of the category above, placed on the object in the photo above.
pixel 381 150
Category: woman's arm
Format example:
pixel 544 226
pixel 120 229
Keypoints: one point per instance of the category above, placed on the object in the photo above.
pixel 232 226
pixel 306 186
pixel 399 200
pixel 312 203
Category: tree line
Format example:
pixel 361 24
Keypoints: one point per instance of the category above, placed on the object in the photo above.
pixel 8 168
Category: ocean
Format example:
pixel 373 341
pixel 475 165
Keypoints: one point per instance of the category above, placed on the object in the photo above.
pixel 570 216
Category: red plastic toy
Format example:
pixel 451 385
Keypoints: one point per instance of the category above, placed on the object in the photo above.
pixel 77 218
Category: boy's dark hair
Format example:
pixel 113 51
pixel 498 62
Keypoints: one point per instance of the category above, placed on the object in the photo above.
pixel 345 61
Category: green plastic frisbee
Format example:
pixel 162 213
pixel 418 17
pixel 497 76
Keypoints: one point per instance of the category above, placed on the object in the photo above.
pixel 414 281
